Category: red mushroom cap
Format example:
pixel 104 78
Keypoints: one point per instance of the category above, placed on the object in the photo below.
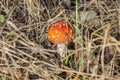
pixel 60 32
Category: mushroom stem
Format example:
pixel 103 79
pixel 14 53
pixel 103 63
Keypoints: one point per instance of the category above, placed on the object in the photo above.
pixel 61 49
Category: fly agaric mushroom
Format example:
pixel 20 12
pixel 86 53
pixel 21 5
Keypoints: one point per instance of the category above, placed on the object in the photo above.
pixel 60 33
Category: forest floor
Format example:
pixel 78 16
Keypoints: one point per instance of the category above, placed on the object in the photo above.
pixel 27 54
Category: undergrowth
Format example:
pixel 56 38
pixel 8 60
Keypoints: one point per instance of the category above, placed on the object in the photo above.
pixel 26 53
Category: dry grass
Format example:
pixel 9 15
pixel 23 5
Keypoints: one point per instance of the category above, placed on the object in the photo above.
pixel 26 54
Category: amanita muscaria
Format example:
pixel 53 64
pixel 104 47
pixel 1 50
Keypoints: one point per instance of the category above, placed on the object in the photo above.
pixel 60 33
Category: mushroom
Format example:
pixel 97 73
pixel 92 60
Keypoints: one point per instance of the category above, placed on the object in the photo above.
pixel 60 33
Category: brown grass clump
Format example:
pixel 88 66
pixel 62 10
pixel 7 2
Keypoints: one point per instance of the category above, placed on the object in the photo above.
pixel 26 53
